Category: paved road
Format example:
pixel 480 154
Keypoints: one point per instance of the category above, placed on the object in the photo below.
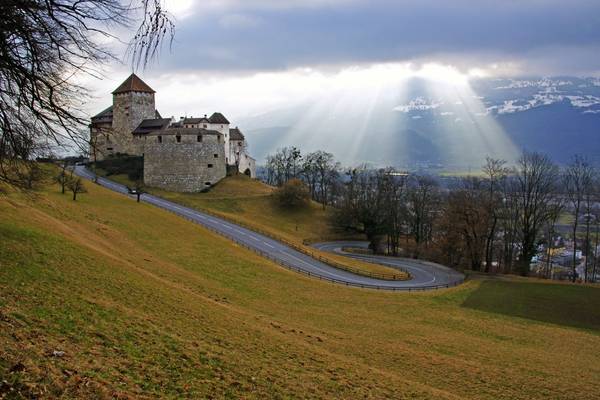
pixel 425 276
pixel 423 273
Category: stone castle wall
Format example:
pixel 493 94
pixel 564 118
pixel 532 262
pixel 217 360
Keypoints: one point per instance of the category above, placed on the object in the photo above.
pixel 129 109
pixel 188 166
pixel 101 142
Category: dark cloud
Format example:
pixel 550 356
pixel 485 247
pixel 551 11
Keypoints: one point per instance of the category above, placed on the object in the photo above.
pixel 536 33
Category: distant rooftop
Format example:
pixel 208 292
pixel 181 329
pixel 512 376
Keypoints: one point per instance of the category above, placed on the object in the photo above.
pixel 218 118
pixel 186 131
pixel 195 120
pixel 105 115
pixel 151 125
pixel 236 134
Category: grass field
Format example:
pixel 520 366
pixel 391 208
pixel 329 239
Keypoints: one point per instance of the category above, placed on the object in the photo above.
pixel 145 304
pixel 249 202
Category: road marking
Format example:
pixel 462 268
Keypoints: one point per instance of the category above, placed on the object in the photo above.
pixel 267 244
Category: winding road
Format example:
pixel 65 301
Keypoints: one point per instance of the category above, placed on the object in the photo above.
pixel 425 275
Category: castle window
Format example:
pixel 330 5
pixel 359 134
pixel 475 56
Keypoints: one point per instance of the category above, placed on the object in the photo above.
pixel 109 148
pixel 216 155
pixel 159 139
pixel 178 137
pixel 210 165
pixel 199 138
pixel 205 126
pixel 206 183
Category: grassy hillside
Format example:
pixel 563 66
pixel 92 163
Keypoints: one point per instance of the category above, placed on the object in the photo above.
pixel 249 202
pixel 145 304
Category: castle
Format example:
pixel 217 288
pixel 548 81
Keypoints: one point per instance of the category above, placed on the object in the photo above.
pixel 185 155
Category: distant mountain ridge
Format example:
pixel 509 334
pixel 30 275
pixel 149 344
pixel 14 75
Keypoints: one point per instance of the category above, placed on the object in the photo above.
pixel 443 125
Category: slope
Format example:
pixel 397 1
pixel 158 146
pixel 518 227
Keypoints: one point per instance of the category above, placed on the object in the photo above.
pixel 145 304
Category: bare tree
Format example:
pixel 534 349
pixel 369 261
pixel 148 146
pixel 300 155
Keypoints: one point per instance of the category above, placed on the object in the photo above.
pixel 283 165
pixel 95 148
pixel 468 214
pixel 76 186
pixel 578 183
pixel 361 206
pixel 510 216
pixel 590 200
pixel 393 192
pixel 320 172
pixel 495 172
pixel 555 210
pixel 535 177
pixel 423 201
pixel 138 189
pixel 62 178
pixel 596 244
pixel 45 45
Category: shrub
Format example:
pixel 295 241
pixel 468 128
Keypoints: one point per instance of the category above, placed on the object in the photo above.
pixel 132 166
pixel 293 194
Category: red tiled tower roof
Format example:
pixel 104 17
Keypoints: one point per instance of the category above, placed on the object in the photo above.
pixel 133 84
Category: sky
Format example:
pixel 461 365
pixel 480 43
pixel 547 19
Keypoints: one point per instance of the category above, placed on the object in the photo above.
pixel 249 57
pixel 229 40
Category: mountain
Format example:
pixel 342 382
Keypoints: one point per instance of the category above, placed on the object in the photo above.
pixel 446 124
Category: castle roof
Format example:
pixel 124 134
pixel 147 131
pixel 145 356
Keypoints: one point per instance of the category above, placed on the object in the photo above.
pixel 195 120
pixel 133 84
pixel 151 125
pixel 236 134
pixel 103 117
pixel 106 113
pixel 190 131
pixel 218 118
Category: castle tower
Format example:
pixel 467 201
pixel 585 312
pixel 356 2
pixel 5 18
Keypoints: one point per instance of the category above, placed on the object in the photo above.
pixel 133 101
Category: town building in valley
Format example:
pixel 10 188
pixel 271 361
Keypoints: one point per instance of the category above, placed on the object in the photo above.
pixel 187 155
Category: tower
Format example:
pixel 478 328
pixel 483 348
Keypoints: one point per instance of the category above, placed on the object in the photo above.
pixel 133 102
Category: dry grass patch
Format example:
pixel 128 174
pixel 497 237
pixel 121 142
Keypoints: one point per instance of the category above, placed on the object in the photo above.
pixel 146 304
pixel 249 202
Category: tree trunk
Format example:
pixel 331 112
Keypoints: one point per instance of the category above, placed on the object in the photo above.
pixel 527 254
pixel 574 272
pixel 549 252
pixel 489 246
pixel 587 248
